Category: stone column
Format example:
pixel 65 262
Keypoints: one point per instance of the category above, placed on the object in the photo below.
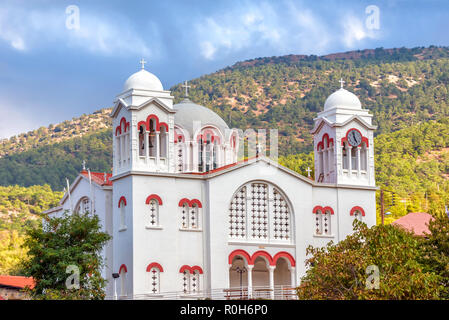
pixel 292 277
pixel 158 149
pixel 350 160
pixel 147 148
pixel 250 281
pixel 358 161
pixel 271 270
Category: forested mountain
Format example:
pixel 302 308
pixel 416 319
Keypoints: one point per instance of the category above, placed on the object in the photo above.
pixel 403 88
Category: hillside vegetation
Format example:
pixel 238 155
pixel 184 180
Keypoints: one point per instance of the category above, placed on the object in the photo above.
pixel 407 90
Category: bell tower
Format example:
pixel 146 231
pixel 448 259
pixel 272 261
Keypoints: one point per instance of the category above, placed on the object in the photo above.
pixel 344 141
pixel 143 125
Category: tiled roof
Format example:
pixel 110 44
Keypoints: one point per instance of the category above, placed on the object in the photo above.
pixel 417 222
pixel 98 177
pixel 16 281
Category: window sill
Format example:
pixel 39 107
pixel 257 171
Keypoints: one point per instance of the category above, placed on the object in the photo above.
pixel 323 235
pixel 122 229
pixel 192 230
pixel 154 227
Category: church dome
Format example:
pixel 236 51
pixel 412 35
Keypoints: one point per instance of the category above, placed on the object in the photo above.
pixel 143 80
pixel 344 99
pixel 187 112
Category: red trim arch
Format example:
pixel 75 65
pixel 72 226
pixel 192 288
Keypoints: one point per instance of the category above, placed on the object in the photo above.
pixel 364 139
pixel 123 124
pixel 191 269
pixel 323 209
pixel 157 126
pixel 196 268
pixel 286 255
pixel 320 144
pixel 262 253
pixel 241 253
pixel 354 209
pixel 120 201
pixel 154 265
pixel 203 136
pixel 155 197
pixel 176 135
pixel 123 266
pixel 190 203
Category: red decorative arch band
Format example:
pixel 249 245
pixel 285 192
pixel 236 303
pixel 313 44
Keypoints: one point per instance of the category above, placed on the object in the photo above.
pixel 158 125
pixel 154 197
pixel 124 125
pixel 190 269
pixel 122 198
pixel 320 144
pixel 323 209
pixel 123 267
pixel 190 203
pixel 154 265
pixel 203 136
pixel 357 208
pixel 251 259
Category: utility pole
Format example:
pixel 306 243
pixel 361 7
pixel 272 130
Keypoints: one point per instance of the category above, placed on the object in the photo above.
pixel 382 205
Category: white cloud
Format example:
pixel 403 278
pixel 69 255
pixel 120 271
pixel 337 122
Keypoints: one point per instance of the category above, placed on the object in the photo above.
pixel 354 31
pixel 255 25
pixel 27 29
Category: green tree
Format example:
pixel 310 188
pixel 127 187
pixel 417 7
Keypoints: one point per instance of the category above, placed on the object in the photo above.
pixel 339 271
pixel 71 239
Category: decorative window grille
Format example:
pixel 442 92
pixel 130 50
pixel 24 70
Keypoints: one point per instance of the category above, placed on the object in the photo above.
pixel 83 205
pixel 358 215
pixel 194 282
pixel 318 222
pixel 185 216
pixel 327 222
pixel 154 280
pixel 237 215
pixel 193 217
pixel 154 213
pixel 259 212
pixel 186 281
pixel 180 156
pixel 281 217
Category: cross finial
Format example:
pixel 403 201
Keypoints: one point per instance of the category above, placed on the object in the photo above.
pixel 341 83
pixel 308 171
pixel 186 86
pixel 142 62
pixel 105 177
pixel 84 164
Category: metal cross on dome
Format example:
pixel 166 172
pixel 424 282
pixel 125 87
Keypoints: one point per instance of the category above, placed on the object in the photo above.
pixel 142 62
pixel 186 86
pixel 341 82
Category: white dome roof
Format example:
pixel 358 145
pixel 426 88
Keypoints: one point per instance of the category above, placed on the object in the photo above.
pixel 187 112
pixel 143 80
pixel 342 98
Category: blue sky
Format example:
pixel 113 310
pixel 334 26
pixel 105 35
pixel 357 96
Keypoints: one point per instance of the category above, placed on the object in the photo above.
pixel 50 73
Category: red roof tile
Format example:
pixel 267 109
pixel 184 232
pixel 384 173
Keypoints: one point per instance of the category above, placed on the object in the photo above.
pixel 417 222
pixel 98 177
pixel 17 281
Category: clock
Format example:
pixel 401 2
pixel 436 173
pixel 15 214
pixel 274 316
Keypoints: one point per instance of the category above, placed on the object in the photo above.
pixel 354 137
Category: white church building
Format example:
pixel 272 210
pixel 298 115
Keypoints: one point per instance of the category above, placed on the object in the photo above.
pixel 190 219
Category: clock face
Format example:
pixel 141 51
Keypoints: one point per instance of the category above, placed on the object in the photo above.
pixel 354 137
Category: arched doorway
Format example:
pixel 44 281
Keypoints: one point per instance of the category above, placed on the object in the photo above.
pixel 282 278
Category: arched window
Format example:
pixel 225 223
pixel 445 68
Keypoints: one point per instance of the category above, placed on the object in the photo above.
pixel 153 201
pixel 142 151
pixel 322 220
pixel 357 212
pixel 259 211
pixel 163 141
pixel 345 157
pixel 154 269
pixel 363 156
pixel 122 272
pixel 83 206
pixel 152 138
pixel 191 279
pixel 190 214
pixel 122 206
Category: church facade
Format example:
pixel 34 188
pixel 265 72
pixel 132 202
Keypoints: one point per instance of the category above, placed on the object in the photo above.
pixel 189 218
